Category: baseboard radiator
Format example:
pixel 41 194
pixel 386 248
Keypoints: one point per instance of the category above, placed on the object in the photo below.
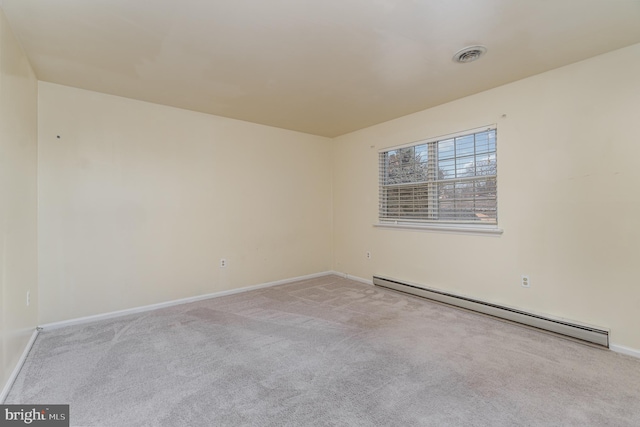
pixel 584 333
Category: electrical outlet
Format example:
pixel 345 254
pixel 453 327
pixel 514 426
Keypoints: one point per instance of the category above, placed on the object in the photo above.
pixel 28 298
pixel 223 263
pixel 368 255
pixel 525 281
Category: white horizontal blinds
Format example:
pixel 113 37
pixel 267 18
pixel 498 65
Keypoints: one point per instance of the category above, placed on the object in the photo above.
pixel 447 180
pixel 404 189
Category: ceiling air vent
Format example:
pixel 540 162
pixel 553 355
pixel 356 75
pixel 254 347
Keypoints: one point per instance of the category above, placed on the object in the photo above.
pixel 469 54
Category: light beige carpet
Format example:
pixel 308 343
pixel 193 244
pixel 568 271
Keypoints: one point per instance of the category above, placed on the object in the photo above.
pixel 325 352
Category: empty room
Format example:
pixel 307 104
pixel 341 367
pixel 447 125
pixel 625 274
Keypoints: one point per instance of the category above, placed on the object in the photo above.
pixel 331 213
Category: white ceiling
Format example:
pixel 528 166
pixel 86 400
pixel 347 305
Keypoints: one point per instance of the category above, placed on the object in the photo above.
pixel 325 67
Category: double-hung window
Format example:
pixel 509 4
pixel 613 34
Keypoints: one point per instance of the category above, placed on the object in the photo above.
pixel 449 180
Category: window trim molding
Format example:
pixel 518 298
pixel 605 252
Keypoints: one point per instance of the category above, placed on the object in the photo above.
pixel 473 229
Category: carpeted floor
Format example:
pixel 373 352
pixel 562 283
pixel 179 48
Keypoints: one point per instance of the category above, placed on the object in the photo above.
pixel 325 352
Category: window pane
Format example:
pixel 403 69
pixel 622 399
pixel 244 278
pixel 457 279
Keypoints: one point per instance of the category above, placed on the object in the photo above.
pixel 406 165
pixel 486 167
pixel 465 211
pixel 446 149
pixel 447 169
pixel 465 166
pixel 422 153
pixel 482 143
pixel 406 155
pixel 446 211
pixel 464 146
pixel 446 192
pixel 491 135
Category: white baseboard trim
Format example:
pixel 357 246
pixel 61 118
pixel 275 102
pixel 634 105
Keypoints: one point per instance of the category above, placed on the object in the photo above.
pixel 355 278
pixel 625 350
pixel 134 310
pixel 16 370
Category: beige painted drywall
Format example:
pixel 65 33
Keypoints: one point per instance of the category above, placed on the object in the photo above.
pixel 568 198
pixel 18 201
pixel 139 202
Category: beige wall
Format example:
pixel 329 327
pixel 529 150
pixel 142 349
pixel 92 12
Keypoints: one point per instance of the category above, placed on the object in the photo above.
pixel 18 200
pixel 138 202
pixel 569 198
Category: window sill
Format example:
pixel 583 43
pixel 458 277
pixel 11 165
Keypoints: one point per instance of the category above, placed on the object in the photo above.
pixel 490 230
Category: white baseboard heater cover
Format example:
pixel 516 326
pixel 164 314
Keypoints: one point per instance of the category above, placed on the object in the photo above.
pixel 585 333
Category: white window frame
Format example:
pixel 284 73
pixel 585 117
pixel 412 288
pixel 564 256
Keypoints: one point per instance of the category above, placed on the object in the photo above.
pixel 426 183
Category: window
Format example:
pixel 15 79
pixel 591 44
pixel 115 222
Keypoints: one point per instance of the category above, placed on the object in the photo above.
pixel 448 180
